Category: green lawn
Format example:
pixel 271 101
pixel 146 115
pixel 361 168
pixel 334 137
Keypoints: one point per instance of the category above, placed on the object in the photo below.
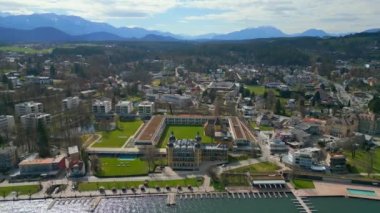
pixel 234 180
pixel 362 159
pixel 260 90
pixel 26 50
pixel 262 127
pixel 93 186
pixel 258 167
pixel 118 137
pixel 183 132
pixel 112 167
pixel 174 183
pixel 303 184
pixel 22 190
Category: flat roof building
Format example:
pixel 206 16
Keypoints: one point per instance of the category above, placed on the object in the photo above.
pixel 124 107
pixel 31 120
pixel 70 103
pixel 103 106
pixel 28 107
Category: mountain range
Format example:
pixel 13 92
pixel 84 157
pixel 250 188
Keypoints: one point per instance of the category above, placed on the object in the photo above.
pixel 50 27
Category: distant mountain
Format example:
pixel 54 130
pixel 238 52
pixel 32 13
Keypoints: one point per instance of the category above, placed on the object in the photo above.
pixel 43 34
pixel 313 33
pixel 72 25
pixel 375 30
pixel 49 34
pixel 252 33
pixel 153 37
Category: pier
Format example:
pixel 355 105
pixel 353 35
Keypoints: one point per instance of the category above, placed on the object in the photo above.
pixel 170 199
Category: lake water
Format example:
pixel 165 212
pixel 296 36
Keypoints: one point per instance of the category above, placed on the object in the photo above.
pixel 157 204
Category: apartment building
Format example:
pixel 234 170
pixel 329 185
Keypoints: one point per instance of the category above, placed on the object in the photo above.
pixel 70 103
pixel 28 107
pixel 31 120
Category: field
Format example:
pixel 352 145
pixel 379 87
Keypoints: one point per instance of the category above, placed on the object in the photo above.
pixel 92 186
pixel 260 90
pixel 26 50
pixel 303 184
pixel 22 190
pixel 118 137
pixel 114 167
pixel 262 127
pixel 361 162
pixel 258 167
pixel 183 132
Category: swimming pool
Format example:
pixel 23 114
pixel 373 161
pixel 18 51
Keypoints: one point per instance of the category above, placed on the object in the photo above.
pixel 361 192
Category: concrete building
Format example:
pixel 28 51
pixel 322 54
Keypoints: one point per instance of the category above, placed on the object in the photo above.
pixel 176 100
pixel 70 103
pixel 124 107
pixel 146 109
pixel 41 80
pixel 184 155
pixel 188 154
pixel 369 123
pixel 43 167
pixel 338 164
pixel 342 127
pixel 31 120
pixel 28 107
pixel 8 157
pixel 305 158
pixel 7 123
pixel 103 106
pixel 278 147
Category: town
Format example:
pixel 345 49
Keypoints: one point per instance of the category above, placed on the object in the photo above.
pixel 80 125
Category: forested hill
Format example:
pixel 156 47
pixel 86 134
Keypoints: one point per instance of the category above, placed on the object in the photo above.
pixel 281 51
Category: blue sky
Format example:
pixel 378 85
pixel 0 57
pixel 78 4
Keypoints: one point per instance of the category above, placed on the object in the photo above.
pixel 194 17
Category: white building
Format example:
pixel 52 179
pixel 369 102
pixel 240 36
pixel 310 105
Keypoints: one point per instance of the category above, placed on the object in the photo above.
pixel 247 111
pixel 146 108
pixel 7 123
pixel 305 158
pixel 124 107
pixel 70 103
pixel 41 80
pixel 31 120
pixel 103 106
pixel 28 107
pixel 176 99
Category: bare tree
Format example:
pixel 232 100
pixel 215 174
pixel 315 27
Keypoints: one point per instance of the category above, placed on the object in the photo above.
pixel 150 155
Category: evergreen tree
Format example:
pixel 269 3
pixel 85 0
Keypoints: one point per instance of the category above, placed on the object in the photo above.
pixel 42 140
pixel 53 71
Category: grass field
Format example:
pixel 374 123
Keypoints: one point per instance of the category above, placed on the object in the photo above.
pixel 260 90
pixel 258 167
pixel 118 137
pixel 93 186
pixel 362 159
pixel 183 132
pixel 114 167
pixel 234 180
pixel 26 50
pixel 22 190
pixel 156 82
pixel 303 184
pixel 262 127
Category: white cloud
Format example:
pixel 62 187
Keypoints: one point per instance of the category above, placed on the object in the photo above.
pixel 91 9
pixel 289 15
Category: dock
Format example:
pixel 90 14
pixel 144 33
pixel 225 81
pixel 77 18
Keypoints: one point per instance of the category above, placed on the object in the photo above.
pixel 170 199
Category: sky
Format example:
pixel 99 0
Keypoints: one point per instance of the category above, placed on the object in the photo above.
pixel 195 17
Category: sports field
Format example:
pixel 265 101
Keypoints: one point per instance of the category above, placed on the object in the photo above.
pixel 114 167
pixel 118 137
pixel 183 132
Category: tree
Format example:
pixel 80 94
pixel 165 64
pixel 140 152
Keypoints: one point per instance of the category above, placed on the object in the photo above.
pixel 374 105
pixel 317 97
pixel 349 103
pixel 150 155
pixel 95 164
pixel 42 140
pixel 279 109
pixel 53 71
